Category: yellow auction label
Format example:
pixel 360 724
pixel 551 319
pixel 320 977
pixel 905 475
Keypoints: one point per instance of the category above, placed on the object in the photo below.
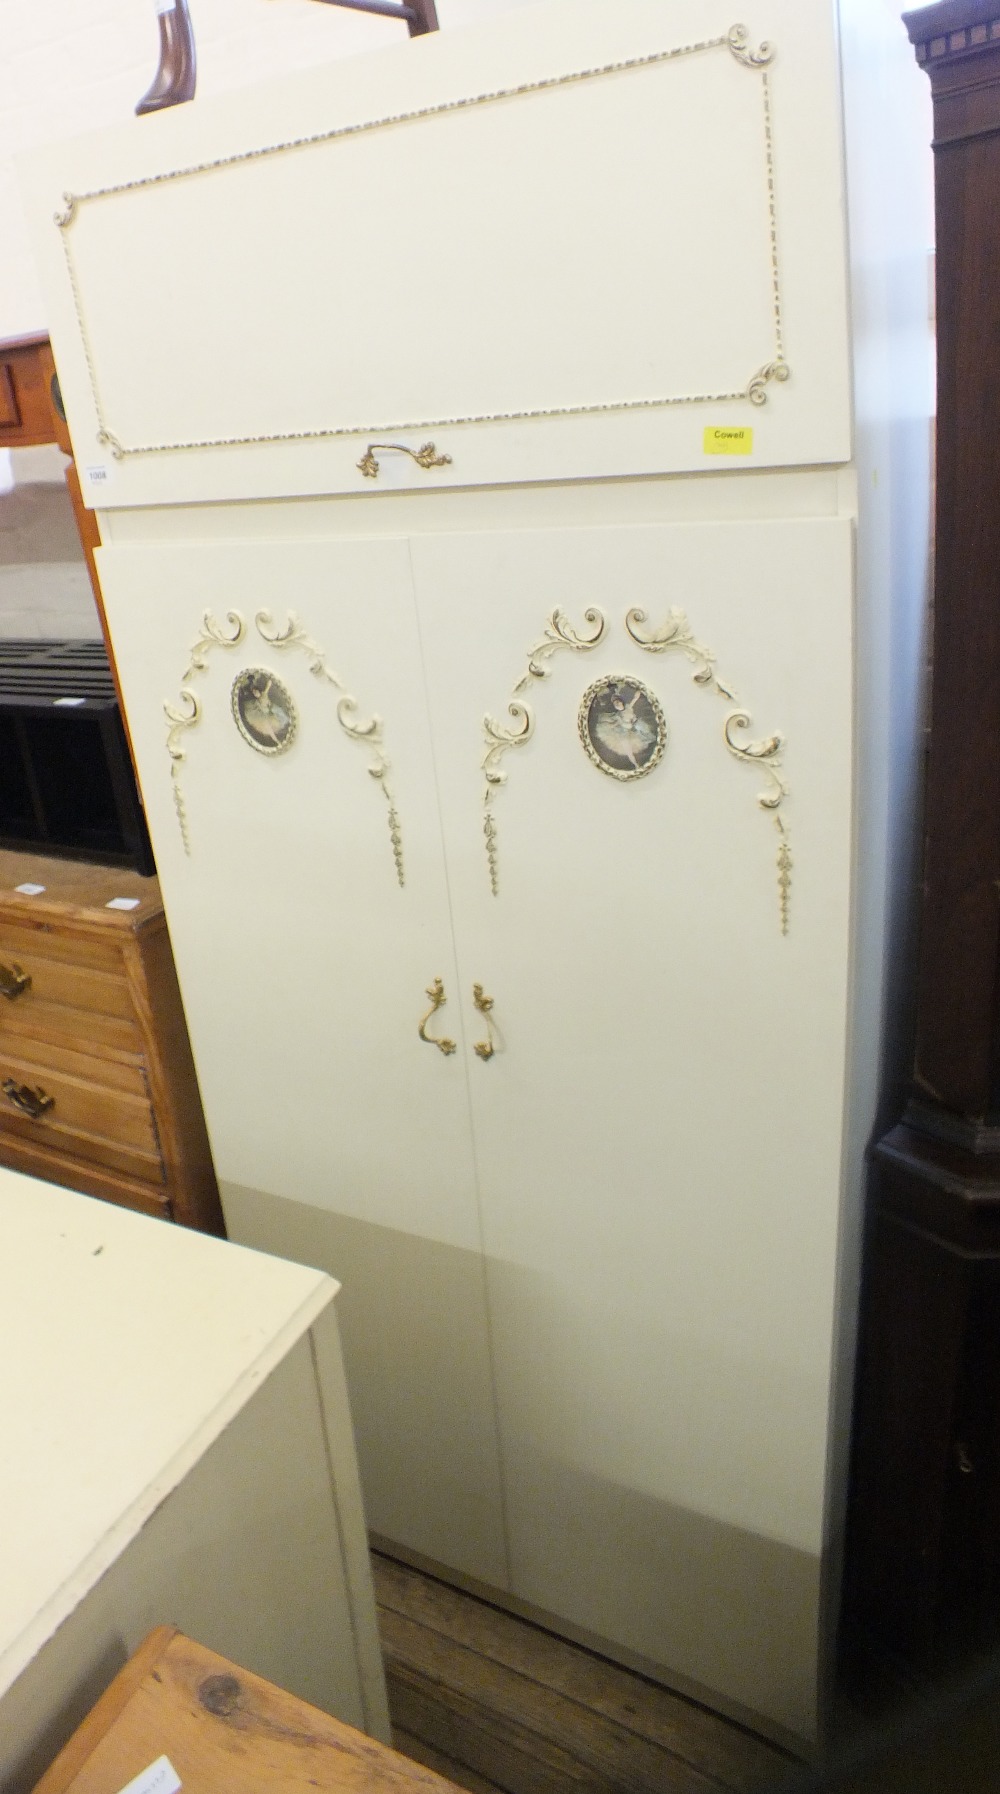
pixel 731 440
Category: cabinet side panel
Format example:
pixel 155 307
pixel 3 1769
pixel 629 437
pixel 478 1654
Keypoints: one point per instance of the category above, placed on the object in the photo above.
pixel 888 132
pixel 244 1556
pixel 412 1318
pixel 328 1363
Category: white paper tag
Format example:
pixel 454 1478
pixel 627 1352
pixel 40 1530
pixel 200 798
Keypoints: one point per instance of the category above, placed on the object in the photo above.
pixel 164 5
pixel 99 476
pixel 123 903
pixel 160 1778
pixel 69 702
pixel 30 890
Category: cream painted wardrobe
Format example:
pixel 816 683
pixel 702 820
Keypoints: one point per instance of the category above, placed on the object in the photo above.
pixel 514 506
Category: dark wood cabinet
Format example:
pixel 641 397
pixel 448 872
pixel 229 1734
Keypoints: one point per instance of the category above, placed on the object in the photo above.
pixel 924 1542
pixel 31 415
pixel 925 1560
pixel 28 413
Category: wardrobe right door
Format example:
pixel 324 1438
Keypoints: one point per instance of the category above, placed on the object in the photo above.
pixel 648 842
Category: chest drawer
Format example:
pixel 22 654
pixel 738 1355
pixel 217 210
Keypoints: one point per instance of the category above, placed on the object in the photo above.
pixel 97 1085
pixel 82 1107
pixel 68 991
pixel 27 413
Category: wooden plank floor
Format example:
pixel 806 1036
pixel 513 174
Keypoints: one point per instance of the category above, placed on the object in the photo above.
pixel 502 1707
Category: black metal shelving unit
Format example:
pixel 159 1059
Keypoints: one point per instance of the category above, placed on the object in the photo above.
pixel 66 781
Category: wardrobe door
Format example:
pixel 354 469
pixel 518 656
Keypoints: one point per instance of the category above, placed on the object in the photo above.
pixel 288 781
pixel 658 1127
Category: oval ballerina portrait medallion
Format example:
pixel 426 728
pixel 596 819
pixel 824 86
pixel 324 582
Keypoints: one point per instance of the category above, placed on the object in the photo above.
pixel 263 711
pixel 622 726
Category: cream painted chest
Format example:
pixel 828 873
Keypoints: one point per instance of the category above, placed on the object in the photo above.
pixel 523 677
pixel 177 1446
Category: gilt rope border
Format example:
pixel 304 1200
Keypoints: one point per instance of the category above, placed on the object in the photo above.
pixel 737 42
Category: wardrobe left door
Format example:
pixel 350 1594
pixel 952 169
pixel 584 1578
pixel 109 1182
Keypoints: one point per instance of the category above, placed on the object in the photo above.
pixel 276 703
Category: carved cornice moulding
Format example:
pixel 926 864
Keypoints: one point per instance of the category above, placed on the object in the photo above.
pixel 957 43
pixel 953 28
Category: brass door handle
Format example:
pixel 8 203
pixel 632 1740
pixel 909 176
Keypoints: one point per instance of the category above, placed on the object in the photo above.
pixel 438 999
pixel 13 982
pixel 427 456
pixel 30 1102
pixel 485 1049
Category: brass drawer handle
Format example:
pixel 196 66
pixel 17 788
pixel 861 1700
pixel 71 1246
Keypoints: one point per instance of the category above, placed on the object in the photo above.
pixel 427 456
pixel 30 1102
pixel 485 1049
pixel 438 999
pixel 13 982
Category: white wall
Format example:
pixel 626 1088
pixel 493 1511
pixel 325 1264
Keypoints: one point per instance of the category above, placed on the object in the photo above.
pixel 74 65
pixel 45 590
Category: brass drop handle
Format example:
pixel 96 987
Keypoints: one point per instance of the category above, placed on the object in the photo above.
pixel 427 456
pixel 30 1102
pixel 438 999
pixel 13 982
pixel 485 1049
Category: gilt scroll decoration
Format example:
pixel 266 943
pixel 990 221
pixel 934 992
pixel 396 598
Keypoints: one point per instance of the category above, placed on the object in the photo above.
pixel 766 755
pixel 501 737
pixel 367 731
pixel 736 42
pixel 186 713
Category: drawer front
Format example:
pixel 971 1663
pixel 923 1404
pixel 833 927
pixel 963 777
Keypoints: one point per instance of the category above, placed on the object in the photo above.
pixel 27 416
pixel 74 1173
pixel 10 416
pixel 61 1099
pixel 64 990
pixel 125 1077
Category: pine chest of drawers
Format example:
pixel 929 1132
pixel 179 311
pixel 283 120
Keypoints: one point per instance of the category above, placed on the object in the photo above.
pixel 97 1083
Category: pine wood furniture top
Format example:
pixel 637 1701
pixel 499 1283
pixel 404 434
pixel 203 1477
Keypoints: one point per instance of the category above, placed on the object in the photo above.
pixel 224 1731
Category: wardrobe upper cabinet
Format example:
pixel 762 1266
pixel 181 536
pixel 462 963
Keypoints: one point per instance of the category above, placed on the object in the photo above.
pixel 608 237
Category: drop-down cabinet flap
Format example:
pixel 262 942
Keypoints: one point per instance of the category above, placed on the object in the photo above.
pixel 609 242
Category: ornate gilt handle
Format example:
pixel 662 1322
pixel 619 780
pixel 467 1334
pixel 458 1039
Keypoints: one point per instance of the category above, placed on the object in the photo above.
pixel 13 982
pixel 427 456
pixel 485 1049
pixel 438 999
pixel 30 1102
